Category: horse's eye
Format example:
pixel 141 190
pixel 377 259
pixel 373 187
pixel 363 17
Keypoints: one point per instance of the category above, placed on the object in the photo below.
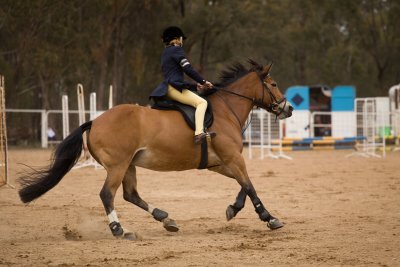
pixel 273 84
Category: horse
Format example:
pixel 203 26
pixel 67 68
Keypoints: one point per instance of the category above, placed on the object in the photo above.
pixel 128 136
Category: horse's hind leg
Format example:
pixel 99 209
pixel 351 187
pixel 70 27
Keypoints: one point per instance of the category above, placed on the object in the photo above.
pixel 107 195
pixel 131 194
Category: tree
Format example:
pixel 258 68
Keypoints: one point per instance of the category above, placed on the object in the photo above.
pixel 49 46
pixel 374 25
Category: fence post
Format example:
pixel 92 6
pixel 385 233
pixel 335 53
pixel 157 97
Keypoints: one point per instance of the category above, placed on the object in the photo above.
pixel 65 116
pixel 93 106
pixel 44 128
pixel 110 98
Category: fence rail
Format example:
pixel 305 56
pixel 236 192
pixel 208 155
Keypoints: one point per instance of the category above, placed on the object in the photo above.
pixel 42 128
pixel 264 132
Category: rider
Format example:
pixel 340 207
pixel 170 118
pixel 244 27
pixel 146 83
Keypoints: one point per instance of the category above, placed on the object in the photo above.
pixel 173 64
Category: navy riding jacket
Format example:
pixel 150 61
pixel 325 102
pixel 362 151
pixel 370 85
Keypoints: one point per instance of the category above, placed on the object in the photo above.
pixel 174 64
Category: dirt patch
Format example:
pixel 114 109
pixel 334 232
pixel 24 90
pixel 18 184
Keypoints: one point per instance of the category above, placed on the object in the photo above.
pixel 337 211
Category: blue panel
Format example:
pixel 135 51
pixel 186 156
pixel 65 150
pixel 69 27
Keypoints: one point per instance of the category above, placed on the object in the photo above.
pixel 342 142
pixel 297 148
pixel 302 142
pixel 310 139
pixel 299 97
pixel 355 138
pixel 343 98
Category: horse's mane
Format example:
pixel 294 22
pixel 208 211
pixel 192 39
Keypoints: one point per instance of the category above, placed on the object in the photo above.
pixel 236 71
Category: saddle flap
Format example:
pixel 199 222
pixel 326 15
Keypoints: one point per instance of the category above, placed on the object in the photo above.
pixel 188 112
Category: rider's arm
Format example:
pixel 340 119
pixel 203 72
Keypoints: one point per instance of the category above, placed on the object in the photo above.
pixel 180 57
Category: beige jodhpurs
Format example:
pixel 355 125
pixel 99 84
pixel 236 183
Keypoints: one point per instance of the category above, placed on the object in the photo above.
pixel 189 98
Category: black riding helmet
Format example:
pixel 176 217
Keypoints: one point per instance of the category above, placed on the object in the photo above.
pixel 171 33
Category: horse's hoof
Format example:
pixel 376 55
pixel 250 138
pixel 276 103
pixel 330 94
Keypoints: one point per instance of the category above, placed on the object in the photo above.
pixel 128 235
pixel 131 236
pixel 274 224
pixel 230 213
pixel 170 225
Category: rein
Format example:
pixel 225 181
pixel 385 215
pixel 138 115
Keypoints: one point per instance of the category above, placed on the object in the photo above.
pixel 272 107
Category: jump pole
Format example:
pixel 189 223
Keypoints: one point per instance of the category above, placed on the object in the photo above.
pixel 65 115
pixel 87 158
pixel 366 108
pixel 267 129
pixel 93 110
pixel 110 97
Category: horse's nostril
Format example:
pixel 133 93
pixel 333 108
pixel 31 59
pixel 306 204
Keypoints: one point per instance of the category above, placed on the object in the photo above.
pixel 290 108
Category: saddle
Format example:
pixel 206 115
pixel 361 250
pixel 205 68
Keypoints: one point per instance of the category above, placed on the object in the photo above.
pixel 188 112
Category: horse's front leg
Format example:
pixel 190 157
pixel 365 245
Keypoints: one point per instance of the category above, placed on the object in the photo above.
pixel 233 209
pixel 238 168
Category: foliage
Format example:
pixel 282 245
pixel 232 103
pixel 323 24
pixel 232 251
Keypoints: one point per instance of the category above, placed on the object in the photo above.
pixel 47 47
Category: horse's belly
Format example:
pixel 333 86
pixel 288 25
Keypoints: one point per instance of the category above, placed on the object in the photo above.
pixel 159 161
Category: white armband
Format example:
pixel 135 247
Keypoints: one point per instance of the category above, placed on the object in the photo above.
pixel 184 62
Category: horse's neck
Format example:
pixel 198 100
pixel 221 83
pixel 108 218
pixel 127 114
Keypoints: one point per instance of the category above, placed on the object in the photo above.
pixel 237 107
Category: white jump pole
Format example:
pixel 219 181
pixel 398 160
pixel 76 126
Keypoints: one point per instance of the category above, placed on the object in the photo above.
pixel 110 98
pixel 93 115
pixel 88 159
pixel 81 104
pixel 93 107
pixel 81 109
pixel 281 154
pixel 65 116
pixel 261 117
pixel 82 119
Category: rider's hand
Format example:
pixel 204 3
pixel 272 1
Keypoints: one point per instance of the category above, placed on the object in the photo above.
pixel 208 85
pixel 200 87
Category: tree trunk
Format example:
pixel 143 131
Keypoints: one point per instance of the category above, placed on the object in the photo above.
pixel 44 92
pixel 203 52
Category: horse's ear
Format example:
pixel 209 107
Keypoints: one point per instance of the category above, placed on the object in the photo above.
pixel 267 69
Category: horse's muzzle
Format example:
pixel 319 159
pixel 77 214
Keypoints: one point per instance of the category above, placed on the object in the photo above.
pixel 286 109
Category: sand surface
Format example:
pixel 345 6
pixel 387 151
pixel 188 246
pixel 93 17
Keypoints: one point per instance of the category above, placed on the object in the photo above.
pixel 338 212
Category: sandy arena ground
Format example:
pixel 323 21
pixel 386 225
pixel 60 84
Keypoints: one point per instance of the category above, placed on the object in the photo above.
pixel 338 212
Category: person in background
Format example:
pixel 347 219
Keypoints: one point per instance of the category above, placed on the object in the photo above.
pixel 51 134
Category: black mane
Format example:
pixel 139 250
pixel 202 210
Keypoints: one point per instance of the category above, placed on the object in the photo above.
pixel 236 71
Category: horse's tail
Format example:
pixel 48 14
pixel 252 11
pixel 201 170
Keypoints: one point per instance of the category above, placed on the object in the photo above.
pixel 66 155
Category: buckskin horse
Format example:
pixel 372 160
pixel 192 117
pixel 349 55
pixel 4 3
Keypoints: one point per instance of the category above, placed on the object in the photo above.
pixel 127 136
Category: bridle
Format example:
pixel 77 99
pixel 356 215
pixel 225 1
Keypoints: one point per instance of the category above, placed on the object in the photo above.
pixel 274 107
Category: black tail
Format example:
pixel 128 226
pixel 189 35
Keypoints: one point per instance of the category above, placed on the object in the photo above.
pixel 65 156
